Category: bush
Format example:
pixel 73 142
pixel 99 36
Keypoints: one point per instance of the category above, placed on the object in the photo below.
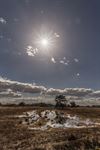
pixel 60 101
pixel 21 104
pixel 73 104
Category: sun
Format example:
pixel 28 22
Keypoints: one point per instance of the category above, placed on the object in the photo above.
pixel 44 42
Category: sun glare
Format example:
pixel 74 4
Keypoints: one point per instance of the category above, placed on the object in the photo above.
pixel 44 42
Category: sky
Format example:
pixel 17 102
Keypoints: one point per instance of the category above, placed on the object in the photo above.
pixel 52 43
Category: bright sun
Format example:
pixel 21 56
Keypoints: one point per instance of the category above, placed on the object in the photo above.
pixel 44 42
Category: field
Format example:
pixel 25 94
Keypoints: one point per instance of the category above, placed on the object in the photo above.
pixel 16 136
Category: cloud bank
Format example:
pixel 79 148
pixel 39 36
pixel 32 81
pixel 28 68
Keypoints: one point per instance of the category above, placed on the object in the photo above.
pixel 9 93
pixel 15 89
pixel 80 92
pixel 19 86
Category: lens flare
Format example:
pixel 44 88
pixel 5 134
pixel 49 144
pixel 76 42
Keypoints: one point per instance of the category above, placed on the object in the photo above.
pixel 44 42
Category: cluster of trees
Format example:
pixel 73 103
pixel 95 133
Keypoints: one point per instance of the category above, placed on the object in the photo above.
pixel 62 102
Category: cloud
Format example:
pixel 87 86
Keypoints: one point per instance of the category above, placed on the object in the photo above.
pixel 52 91
pixel 81 96
pixel 95 94
pixel 78 74
pixel 9 93
pixel 63 62
pixel 22 91
pixel 2 20
pixel 56 35
pixel 76 60
pixel 19 86
pixel 53 60
pixel 79 92
pixel 31 51
pixel 64 58
pixel 16 86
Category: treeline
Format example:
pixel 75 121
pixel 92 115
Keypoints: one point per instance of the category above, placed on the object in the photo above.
pixel 60 102
pixel 22 104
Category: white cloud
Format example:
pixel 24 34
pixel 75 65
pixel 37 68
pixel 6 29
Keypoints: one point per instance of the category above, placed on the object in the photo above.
pixel 52 91
pixel 78 74
pixel 79 92
pixel 31 51
pixel 95 94
pixel 13 89
pixel 2 20
pixel 19 86
pixel 53 60
pixel 9 93
pixel 66 63
pixel 76 60
pixel 63 62
pixel 64 58
pixel 56 35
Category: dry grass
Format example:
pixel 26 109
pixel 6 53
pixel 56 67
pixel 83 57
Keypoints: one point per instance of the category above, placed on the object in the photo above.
pixel 14 136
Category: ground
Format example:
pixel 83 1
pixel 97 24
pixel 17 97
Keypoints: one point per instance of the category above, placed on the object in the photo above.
pixel 15 136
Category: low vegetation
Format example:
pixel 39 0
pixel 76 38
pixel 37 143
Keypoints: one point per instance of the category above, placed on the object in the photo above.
pixel 15 136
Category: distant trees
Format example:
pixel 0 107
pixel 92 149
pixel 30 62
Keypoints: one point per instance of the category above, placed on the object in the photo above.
pixel 21 104
pixel 61 101
pixel 72 104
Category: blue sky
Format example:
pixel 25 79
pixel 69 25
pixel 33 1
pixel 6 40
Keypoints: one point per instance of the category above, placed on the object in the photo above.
pixel 72 58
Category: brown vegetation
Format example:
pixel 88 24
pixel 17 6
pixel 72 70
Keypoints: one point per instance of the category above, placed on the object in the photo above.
pixel 14 136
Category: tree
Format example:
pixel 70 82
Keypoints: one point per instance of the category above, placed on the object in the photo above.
pixel 60 101
pixel 72 104
pixel 21 104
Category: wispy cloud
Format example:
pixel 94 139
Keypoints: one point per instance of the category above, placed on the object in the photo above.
pixel 78 74
pixel 53 60
pixel 64 58
pixel 56 35
pixel 95 94
pixel 9 93
pixel 31 51
pixel 70 91
pixel 64 61
pixel 76 60
pixel 2 20
pixel 19 86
